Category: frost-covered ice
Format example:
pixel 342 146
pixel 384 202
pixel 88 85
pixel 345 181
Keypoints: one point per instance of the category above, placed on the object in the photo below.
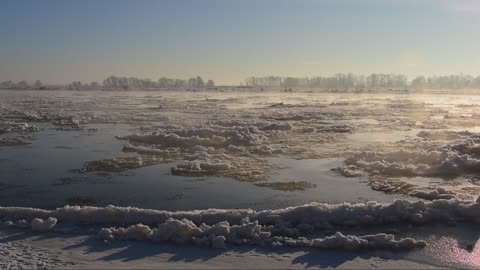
pixel 444 155
pixel 293 227
pixel 217 163
pixel 389 185
pixel 218 235
pixel 422 158
pixel 10 126
pixel 349 242
pixel 318 215
pixel 287 227
pixel 122 164
pixel 149 150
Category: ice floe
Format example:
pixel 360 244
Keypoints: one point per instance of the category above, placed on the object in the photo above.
pixel 122 164
pixel 10 126
pixel 12 141
pixel 446 155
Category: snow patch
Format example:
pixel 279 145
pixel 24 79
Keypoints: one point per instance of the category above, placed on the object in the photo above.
pixel 42 226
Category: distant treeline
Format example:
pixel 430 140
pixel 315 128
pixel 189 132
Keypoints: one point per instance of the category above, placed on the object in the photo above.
pixel 341 82
pixel 116 83
pixel 372 82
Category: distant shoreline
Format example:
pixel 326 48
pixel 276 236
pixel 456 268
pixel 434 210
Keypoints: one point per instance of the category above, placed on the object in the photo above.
pixel 220 89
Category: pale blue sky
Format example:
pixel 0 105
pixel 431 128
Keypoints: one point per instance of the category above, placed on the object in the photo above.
pixel 229 40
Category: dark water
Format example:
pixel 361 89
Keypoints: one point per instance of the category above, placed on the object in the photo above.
pixel 43 175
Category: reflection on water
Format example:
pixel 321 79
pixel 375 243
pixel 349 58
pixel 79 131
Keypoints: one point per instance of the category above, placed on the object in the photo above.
pixel 382 137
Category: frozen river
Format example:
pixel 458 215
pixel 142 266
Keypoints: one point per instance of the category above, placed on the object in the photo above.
pixel 247 149
pixel 72 128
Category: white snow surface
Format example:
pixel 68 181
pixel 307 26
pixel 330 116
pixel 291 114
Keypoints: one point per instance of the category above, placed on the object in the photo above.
pixel 17 255
pixel 19 250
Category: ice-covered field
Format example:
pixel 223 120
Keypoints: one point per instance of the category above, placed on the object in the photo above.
pixel 390 176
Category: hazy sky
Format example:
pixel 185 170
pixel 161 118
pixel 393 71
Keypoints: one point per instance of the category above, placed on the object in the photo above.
pixel 229 40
